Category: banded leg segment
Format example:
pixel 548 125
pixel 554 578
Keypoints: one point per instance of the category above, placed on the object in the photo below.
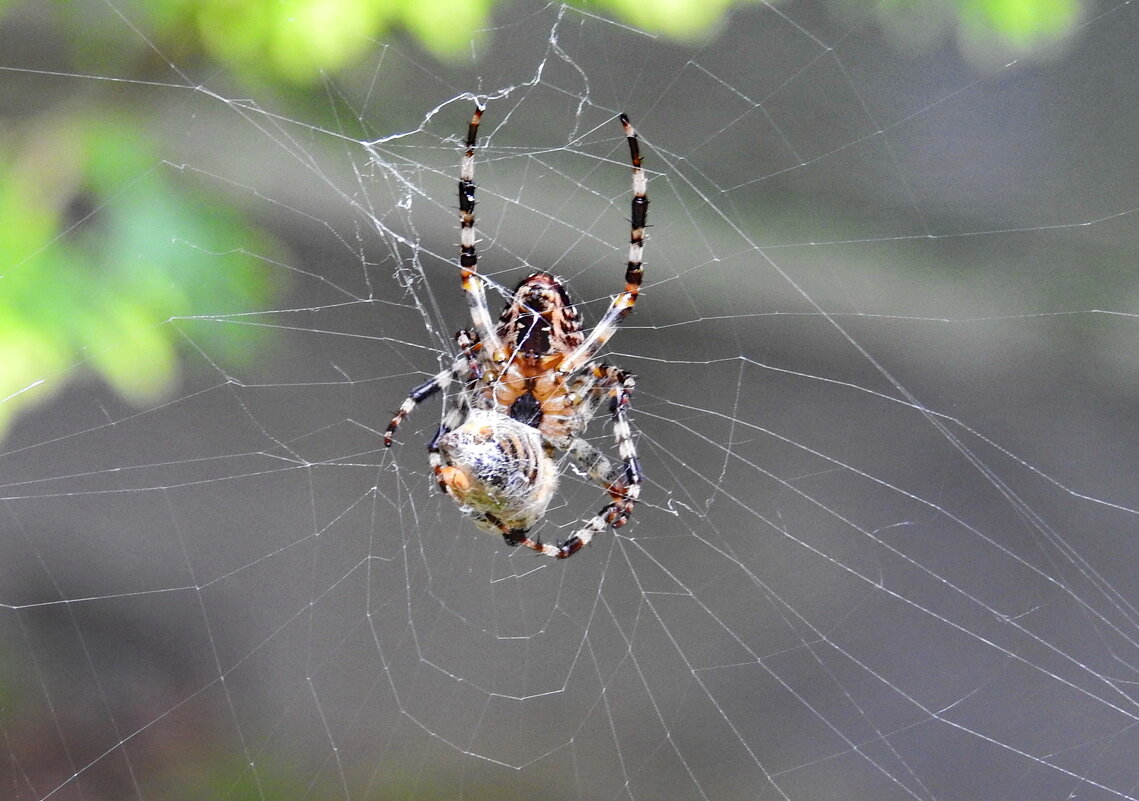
pixel 452 419
pixel 473 285
pixel 622 482
pixel 516 538
pixel 455 411
pixel 464 366
pixel 437 382
pixel 623 303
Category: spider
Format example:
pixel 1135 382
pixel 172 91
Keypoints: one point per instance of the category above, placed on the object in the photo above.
pixel 527 389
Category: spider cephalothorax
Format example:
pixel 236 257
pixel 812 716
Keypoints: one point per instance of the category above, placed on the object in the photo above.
pixel 527 389
pixel 540 321
pixel 539 328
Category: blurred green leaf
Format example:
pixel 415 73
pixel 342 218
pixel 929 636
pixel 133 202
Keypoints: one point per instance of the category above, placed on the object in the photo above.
pixel 465 20
pixel 302 40
pixel 95 269
pixel 1022 23
pixel 680 19
pixel 988 31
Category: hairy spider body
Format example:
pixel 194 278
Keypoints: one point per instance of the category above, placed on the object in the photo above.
pixel 528 388
pixel 498 471
pixel 540 327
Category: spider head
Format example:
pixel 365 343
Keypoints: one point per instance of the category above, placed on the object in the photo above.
pixel 540 319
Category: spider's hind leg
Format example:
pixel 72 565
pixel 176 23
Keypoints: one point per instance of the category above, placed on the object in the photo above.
pixel 621 480
pixel 516 537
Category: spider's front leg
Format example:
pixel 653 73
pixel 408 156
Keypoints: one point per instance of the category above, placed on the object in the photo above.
pixel 622 481
pixel 473 283
pixel 623 303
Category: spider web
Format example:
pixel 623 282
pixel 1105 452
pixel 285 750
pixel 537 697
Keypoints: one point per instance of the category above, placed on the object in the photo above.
pixel 885 358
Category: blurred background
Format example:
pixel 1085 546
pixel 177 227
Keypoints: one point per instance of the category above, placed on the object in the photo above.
pixel 885 404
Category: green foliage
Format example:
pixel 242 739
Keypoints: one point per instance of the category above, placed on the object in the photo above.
pixel 680 19
pixel 301 40
pixel 988 31
pixel 96 265
pixel 1024 24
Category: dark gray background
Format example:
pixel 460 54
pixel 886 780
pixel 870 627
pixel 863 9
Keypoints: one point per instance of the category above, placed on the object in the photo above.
pixel 886 377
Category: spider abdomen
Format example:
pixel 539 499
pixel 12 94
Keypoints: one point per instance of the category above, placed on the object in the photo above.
pixel 497 468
